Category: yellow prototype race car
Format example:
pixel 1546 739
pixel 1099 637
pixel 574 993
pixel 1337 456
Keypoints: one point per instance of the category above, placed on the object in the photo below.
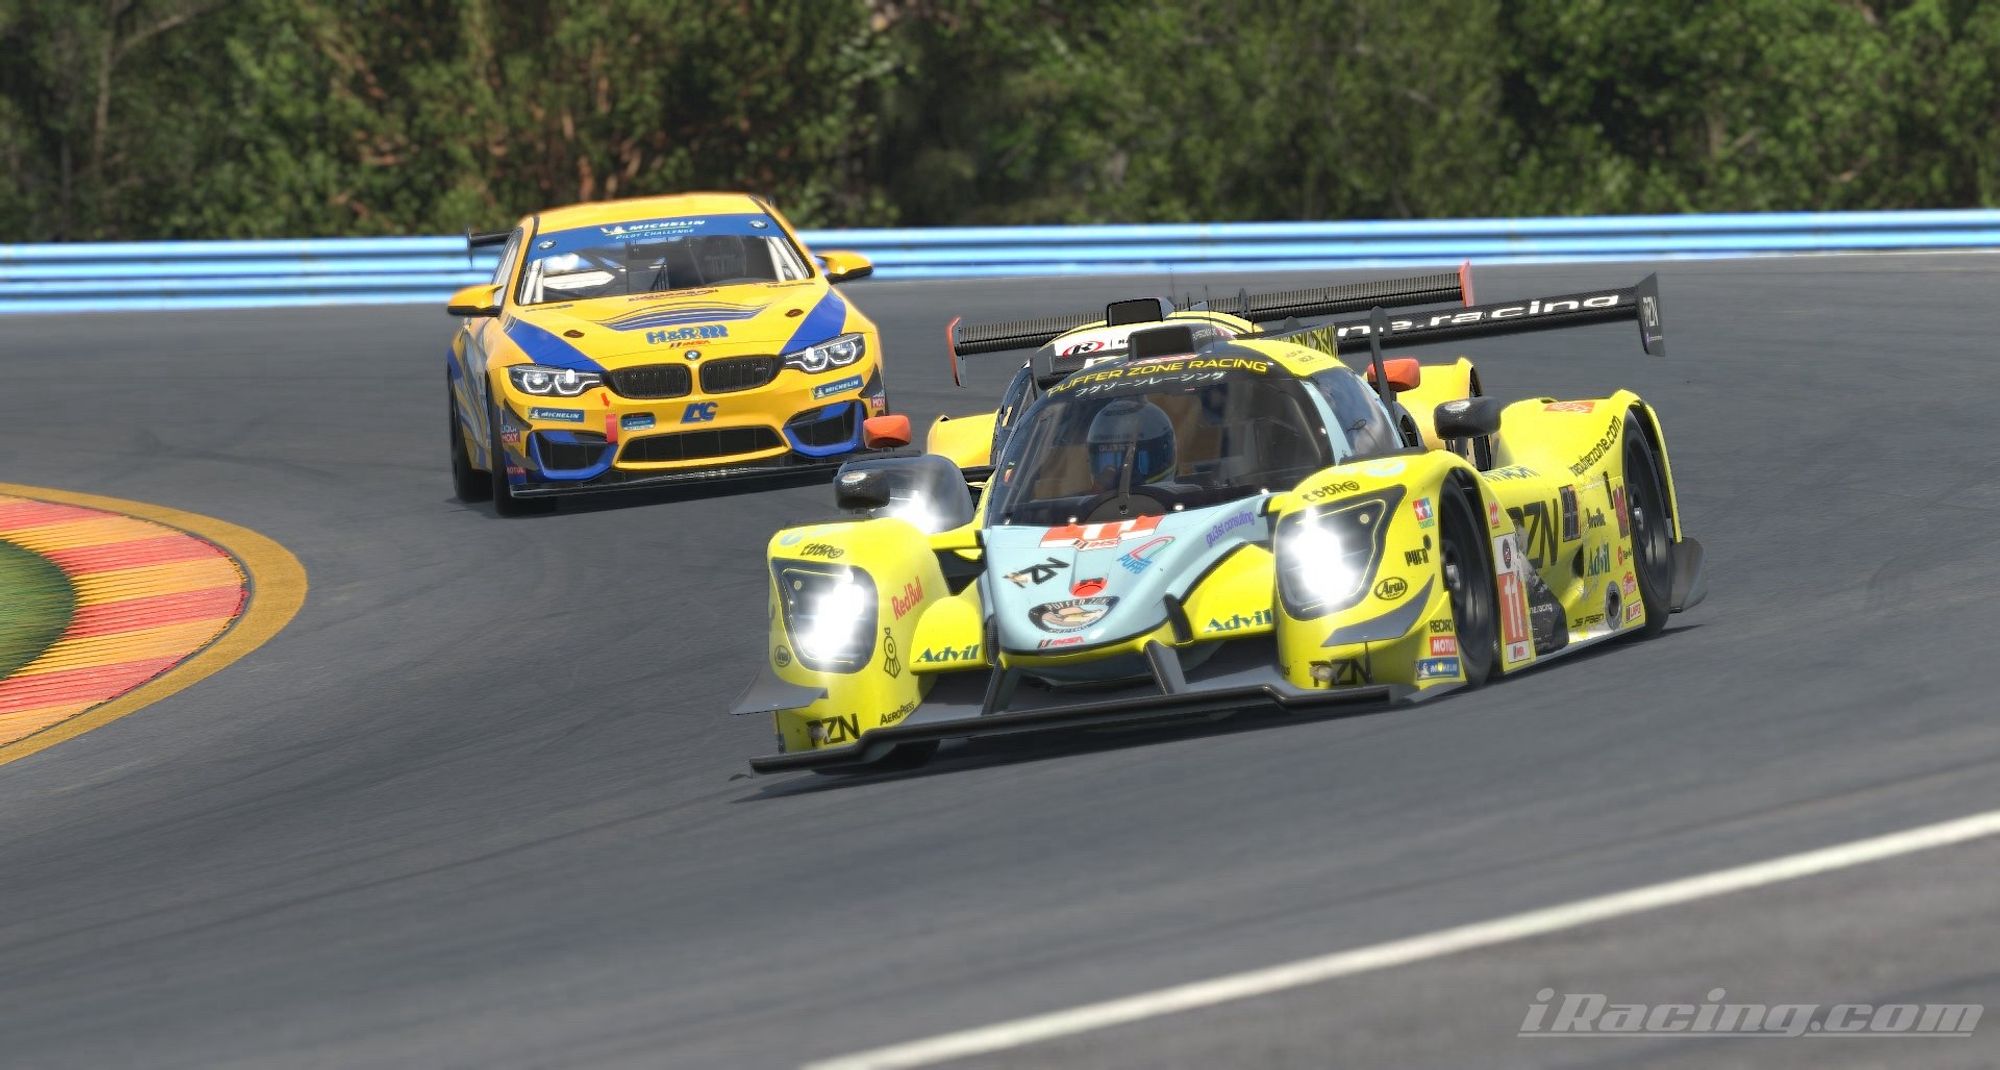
pixel 1188 515
pixel 658 339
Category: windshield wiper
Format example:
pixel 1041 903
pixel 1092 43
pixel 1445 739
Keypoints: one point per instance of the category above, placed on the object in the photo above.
pixel 1125 477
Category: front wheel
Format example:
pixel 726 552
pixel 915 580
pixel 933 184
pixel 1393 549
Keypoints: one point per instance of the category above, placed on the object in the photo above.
pixel 1652 534
pixel 468 484
pixel 505 503
pixel 1468 577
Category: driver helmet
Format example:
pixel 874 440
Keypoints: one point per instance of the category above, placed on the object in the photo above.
pixel 721 256
pixel 1133 424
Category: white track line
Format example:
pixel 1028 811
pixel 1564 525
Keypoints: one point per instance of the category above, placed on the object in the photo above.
pixel 1024 1031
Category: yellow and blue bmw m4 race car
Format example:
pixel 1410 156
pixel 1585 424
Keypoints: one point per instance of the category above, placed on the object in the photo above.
pixel 1187 515
pixel 654 340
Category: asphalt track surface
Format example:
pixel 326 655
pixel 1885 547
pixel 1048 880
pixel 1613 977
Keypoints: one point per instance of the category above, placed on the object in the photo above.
pixel 480 805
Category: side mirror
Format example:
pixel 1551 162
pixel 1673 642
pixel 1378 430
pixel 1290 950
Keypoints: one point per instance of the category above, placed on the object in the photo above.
pixel 1468 418
pixel 845 267
pixel 480 300
pixel 885 432
pixel 1405 373
pixel 864 489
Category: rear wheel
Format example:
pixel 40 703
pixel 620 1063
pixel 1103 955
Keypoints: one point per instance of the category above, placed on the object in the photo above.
pixel 1652 535
pixel 468 484
pixel 1468 577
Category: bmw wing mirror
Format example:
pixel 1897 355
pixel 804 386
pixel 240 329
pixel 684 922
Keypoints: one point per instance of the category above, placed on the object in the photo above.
pixel 480 300
pixel 845 266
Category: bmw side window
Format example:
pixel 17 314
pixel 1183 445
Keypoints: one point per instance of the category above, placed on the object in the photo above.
pixel 1358 413
pixel 504 270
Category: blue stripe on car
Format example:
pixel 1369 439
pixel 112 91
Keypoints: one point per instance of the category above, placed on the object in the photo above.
pixel 544 348
pixel 831 412
pixel 823 322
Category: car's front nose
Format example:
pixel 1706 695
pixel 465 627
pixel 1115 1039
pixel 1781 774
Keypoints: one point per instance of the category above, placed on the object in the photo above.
pixel 697 408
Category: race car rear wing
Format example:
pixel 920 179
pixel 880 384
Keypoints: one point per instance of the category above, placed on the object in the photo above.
pixel 962 339
pixel 1639 303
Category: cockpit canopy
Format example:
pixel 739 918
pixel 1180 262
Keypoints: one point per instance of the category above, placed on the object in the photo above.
pixel 1151 437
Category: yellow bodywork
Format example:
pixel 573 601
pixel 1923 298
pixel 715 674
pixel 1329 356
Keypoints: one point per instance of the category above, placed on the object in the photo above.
pixel 1550 509
pixel 966 440
pixel 698 397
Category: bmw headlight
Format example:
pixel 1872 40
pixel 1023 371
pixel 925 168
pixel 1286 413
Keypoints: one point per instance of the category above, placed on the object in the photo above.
pixel 830 615
pixel 837 353
pixel 1327 554
pixel 552 382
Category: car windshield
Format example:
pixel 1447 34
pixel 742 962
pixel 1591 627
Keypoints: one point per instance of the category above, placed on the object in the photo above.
pixel 658 255
pixel 1150 438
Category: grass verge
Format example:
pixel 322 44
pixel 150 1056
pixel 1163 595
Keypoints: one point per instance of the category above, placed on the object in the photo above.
pixel 35 606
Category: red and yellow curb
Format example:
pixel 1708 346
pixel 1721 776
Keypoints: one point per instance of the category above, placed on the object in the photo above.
pixel 164 598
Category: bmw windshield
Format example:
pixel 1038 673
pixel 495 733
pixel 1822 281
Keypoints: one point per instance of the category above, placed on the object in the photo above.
pixel 658 255
pixel 1157 437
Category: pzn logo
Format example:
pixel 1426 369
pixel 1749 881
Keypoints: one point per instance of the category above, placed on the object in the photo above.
pixel 1343 672
pixel 834 729
pixel 698 412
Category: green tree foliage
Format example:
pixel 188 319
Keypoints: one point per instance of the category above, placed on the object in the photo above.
pixel 247 118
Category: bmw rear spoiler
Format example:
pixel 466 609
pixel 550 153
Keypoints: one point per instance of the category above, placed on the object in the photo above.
pixel 484 239
pixel 1639 302
pixel 962 339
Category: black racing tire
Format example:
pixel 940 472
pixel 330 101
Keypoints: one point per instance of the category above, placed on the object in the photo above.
pixel 1652 530
pixel 504 501
pixel 1467 568
pixel 468 484
pixel 901 757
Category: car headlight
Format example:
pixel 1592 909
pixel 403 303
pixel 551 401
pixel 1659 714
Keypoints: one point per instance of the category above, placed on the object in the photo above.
pixel 837 353
pixel 830 615
pixel 552 382
pixel 1327 554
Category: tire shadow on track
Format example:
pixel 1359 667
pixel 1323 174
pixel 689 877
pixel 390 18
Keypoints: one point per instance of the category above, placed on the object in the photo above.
pixel 612 500
pixel 1027 748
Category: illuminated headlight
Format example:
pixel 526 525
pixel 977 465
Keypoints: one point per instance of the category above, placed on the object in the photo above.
pixel 1327 555
pixel 838 353
pixel 551 382
pixel 830 615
